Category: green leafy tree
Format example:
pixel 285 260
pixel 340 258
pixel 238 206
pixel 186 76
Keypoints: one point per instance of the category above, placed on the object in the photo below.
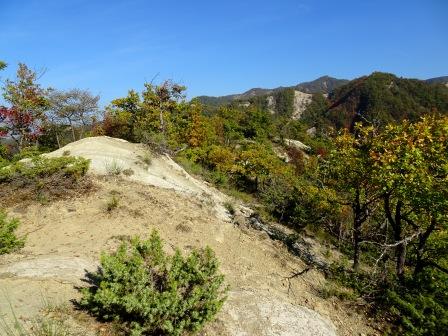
pixel 284 102
pixel 121 116
pixel 160 106
pixel 255 163
pixel 412 167
pixel 75 108
pixel 349 170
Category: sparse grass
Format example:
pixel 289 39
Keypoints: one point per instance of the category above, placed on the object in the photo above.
pixel 128 172
pixel 112 203
pixel 147 159
pixel 245 197
pixel 181 227
pixel 331 289
pixel 230 208
pixel 50 327
pixel 190 167
pixel 41 326
pixel 42 199
pixel 327 253
pixel 113 167
pixel 66 153
pixel 115 192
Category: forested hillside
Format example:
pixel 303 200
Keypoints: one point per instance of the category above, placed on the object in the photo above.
pixel 370 183
pixel 438 80
pixel 324 84
pixel 378 99
pixel 382 98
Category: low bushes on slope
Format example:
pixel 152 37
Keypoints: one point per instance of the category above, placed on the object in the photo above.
pixel 42 178
pixel 8 240
pixel 40 166
pixel 150 293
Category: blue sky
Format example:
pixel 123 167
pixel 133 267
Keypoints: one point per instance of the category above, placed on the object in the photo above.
pixel 220 47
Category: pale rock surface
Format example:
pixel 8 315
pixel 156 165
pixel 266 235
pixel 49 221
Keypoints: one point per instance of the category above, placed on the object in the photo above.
pixel 301 102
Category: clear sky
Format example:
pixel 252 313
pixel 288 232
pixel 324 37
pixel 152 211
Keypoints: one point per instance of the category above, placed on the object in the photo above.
pixel 220 47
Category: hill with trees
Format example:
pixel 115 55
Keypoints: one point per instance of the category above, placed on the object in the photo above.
pixel 438 80
pixel 324 84
pixel 378 99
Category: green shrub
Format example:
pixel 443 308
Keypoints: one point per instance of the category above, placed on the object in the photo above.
pixel 150 293
pixel 112 203
pixel 27 153
pixel 40 166
pixel 230 208
pixel 8 240
pixel 3 152
pixel 420 307
pixel 147 159
pixel 113 167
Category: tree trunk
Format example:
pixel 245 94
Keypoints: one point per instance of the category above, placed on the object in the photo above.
pixel 57 140
pixel 162 121
pixel 400 252
pixel 21 140
pixel 423 238
pixel 401 259
pixel 356 245
pixel 81 132
pixel 396 223
pixel 357 222
pixel 73 131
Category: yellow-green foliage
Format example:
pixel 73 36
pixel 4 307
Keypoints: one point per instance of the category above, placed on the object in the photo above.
pixel 40 166
pixel 151 293
pixel 222 158
pixel 8 240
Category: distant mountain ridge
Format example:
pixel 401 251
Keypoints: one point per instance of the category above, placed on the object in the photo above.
pixel 438 80
pixel 378 98
pixel 324 84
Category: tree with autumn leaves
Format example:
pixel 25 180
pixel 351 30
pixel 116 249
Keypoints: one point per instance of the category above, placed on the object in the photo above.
pixel 159 116
pixel 37 114
pixel 411 165
pixel 22 120
pixel 395 180
pixel 400 174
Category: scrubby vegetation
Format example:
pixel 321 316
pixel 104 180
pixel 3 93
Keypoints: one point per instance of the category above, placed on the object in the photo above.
pixel 112 203
pixel 39 327
pixel 8 239
pixel 151 293
pixel 41 178
pixel 39 167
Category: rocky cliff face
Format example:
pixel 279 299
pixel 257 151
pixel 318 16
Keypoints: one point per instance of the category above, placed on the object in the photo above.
pixel 301 102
